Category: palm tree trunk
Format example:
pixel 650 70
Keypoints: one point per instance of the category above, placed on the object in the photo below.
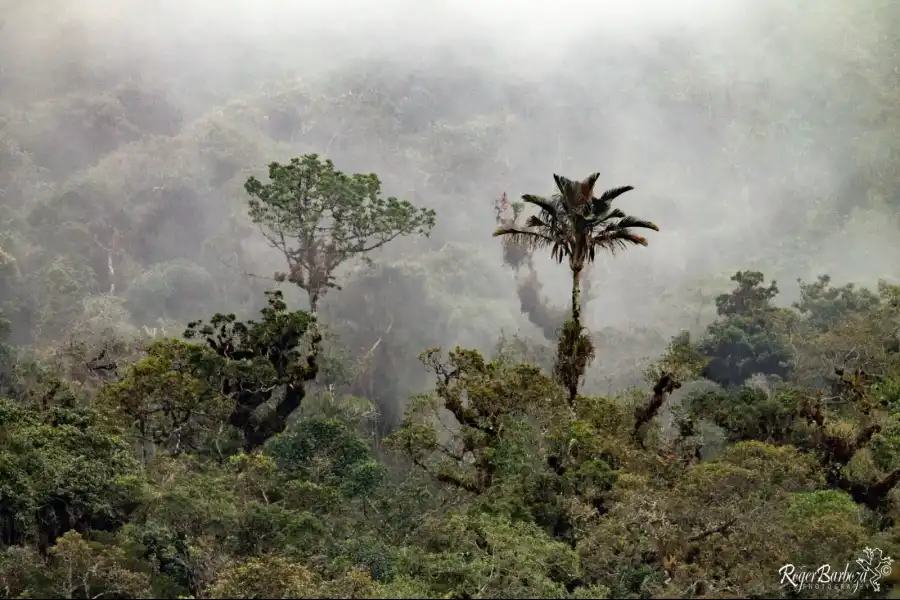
pixel 576 297
pixel 572 351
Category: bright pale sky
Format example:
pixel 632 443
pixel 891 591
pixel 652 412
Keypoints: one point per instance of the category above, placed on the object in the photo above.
pixel 521 27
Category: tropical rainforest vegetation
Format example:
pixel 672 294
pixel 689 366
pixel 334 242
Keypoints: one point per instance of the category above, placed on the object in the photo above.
pixel 258 340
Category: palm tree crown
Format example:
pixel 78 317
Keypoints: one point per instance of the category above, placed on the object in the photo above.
pixel 574 223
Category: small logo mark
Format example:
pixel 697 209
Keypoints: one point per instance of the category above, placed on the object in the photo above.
pixel 868 571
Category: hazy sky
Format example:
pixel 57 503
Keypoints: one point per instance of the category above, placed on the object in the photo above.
pixel 534 29
pixel 731 139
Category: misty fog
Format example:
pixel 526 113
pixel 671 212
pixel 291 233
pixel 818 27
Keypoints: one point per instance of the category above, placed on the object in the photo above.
pixel 748 129
pixel 230 368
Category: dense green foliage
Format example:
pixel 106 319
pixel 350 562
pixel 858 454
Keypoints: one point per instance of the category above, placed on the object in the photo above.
pixel 186 413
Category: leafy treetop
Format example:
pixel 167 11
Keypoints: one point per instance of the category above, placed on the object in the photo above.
pixel 256 359
pixel 319 217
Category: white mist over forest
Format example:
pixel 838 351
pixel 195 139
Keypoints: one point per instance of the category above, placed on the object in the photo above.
pixel 746 127
pixel 193 407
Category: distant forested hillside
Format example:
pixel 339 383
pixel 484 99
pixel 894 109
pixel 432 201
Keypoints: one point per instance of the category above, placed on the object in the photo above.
pixel 281 319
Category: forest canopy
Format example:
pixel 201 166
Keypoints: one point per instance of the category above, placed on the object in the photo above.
pixel 418 326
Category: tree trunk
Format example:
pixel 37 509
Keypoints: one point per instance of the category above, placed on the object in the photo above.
pixel 314 313
pixel 573 373
pixel 576 297
pixel 313 301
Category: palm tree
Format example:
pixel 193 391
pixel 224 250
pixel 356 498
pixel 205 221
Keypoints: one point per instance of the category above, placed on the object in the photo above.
pixel 574 224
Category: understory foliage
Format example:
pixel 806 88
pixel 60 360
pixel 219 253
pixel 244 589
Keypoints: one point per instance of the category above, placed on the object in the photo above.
pixel 221 380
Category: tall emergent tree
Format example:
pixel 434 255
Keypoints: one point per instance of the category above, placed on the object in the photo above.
pixel 319 217
pixel 574 224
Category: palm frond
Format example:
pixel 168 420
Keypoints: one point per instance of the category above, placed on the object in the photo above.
pixel 535 221
pixel 548 206
pixel 576 193
pixel 532 240
pixel 630 221
pixel 568 190
pixel 587 187
pixel 602 213
pixel 559 252
pixel 601 207
pixel 564 184
pixel 613 239
pixel 631 238
pixel 610 195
